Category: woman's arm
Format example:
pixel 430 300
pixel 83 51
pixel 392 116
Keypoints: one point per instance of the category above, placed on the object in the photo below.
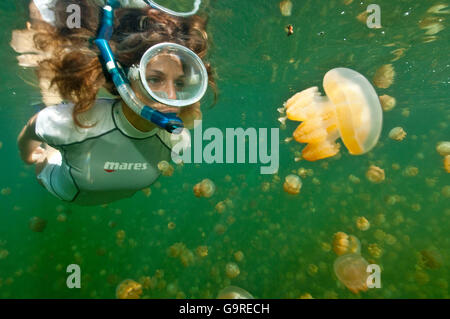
pixel 29 143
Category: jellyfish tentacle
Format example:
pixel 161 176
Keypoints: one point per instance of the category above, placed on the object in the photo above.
pixel 313 152
pixel 303 105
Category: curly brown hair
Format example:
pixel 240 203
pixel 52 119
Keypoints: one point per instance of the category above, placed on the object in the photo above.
pixel 75 63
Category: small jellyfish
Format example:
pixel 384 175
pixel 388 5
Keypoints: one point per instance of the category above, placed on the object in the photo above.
pixel 325 246
pixel 399 53
pixel 446 191
pixel 205 188
pixel 165 168
pixel 286 7
pixel 202 251
pixel 387 102
pixel 3 253
pixel 292 184
pixel 375 174
pixel 37 224
pixel 431 25
pixel 239 256
pixel 421 277
pixel 431 258
pixel 61 218
pixel 187 257
pixel 233 292
pixel 232 270
pixel 443 148
pixel 312 269
pixel 171 225
pixel 384 76
pixel 351 270
pixel 176 249
pixel 351 111
pixel 345 244
pixel 129 289
pixel 375 250
pixel 147 191
pixel 220 207
pixel 120 234
pixel 410 171
pixel 390 239
pixel 355 180
pixel 397 134
pixel 362 223
pixel 439 9
pixel 6 191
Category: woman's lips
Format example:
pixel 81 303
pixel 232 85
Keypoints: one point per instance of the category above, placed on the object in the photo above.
pixel 170 110
pixel 166 109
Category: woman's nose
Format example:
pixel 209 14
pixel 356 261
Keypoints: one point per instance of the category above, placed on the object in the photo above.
pixel 171 91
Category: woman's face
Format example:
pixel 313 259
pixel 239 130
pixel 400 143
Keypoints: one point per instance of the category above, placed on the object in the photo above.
pixel 165 77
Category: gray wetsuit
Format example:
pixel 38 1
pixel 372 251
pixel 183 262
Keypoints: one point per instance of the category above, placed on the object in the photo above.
pixel 109 161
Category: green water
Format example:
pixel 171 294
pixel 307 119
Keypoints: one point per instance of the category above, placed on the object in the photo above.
pixel 284 238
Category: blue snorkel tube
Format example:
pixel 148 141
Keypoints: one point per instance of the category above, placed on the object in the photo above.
pixel 168 121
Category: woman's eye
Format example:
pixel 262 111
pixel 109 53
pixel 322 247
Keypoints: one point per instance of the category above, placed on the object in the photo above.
pixel 179 84
pixel 154 80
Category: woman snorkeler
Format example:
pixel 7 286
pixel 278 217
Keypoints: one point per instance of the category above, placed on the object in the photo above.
pixel 94 150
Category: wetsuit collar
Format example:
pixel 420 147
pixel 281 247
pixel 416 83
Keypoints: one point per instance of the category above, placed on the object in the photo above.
pixel 125 126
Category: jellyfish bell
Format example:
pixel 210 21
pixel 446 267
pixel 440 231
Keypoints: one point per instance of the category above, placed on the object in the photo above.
pixel 286 7
pixel 37 224
pixel 351 270
pixel 397 134
pixel 362 223
pixel 205 188
pixel 129 289
pixel 351 110
pixel 165 168
pixel 232 270
pixel 443 148
pixel 375 174
pixel 233 292
pixel 292 184
pixel 346 244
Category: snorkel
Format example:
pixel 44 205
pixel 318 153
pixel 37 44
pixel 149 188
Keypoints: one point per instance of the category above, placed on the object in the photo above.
pixel 168 121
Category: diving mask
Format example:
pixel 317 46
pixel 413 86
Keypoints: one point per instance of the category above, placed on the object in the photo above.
pixel 170 74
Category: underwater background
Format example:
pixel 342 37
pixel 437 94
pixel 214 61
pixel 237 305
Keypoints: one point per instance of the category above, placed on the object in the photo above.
pixel 178 246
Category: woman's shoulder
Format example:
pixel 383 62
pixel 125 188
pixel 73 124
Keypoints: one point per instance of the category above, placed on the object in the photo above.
pixel 56 126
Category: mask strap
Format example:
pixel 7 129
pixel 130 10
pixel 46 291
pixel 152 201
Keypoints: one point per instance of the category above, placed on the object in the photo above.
pixel 174 13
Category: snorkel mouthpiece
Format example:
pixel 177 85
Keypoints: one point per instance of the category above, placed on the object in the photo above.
pixel 168 121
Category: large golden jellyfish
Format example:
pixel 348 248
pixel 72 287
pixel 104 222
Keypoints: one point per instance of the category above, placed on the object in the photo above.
pixel 351 270
pixel 233 292
pixel 351 110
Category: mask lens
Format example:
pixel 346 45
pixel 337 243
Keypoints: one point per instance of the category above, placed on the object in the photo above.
pixel 173 75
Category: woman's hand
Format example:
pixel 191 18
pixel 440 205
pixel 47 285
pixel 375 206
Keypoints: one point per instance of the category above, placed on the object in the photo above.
pixel 29 143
